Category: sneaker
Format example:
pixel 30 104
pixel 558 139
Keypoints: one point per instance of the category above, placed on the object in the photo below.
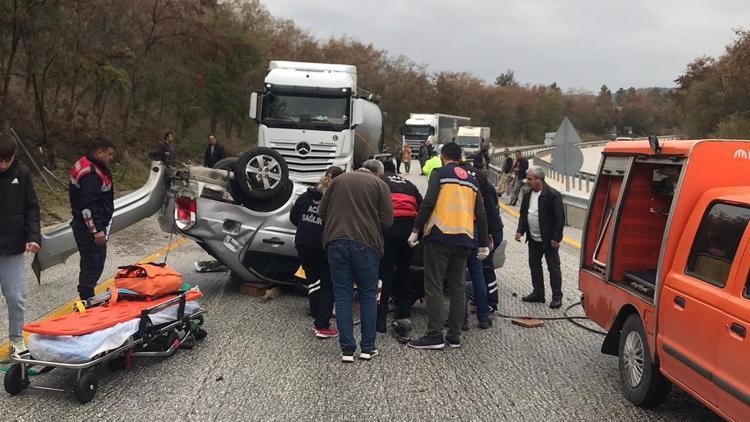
pixel 495 312
pixel 325 332
pixel 485 324
pixel 368 355
pixel 17 347
pixel 453 342
pixel 428 341
pixel 347 356
pixel 402 330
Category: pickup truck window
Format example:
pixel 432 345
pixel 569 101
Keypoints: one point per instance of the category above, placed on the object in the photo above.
pixel 716 242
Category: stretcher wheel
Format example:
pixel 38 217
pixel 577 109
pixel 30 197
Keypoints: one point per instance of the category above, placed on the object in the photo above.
pixel 14 381
pixel 173 339
pixel 200 334
pixel 86 387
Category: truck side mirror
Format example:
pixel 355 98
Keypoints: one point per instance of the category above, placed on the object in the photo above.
pixel 432 130
pixel 402 129
pixel 254 106
pixel 358 116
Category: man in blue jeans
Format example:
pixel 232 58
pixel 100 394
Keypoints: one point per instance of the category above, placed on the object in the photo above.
pixel 355 210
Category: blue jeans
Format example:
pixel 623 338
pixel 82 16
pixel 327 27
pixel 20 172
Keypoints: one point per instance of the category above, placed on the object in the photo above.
pixel 352 262
pixel 478 286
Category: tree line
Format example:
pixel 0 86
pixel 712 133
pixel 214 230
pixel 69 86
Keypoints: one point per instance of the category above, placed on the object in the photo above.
pixel 131 70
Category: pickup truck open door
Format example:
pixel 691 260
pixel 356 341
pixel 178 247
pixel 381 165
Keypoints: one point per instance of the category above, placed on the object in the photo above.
pixel 58 242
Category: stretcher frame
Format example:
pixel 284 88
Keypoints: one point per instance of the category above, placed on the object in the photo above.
pixel 147 334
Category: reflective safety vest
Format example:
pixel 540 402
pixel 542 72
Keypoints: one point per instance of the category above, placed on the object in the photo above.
pixel 453 220
pixel 83 167
pixel 431 165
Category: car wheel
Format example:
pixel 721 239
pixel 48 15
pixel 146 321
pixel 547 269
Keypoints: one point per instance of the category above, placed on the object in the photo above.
pixel 642 382
pixel 261 174
pixel 225 163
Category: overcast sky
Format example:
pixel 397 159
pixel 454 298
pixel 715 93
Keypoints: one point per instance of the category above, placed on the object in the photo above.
pixel 576 43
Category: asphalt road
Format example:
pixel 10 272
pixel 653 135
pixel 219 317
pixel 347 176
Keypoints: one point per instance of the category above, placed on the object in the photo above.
pixel 261 362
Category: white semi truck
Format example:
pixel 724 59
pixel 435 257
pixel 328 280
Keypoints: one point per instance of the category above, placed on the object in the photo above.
pixel 435 128
pixel 312 115
pixel 471 139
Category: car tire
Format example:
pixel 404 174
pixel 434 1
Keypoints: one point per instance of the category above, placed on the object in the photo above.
pixel 261 174
pixel 227 163
pixel 642 382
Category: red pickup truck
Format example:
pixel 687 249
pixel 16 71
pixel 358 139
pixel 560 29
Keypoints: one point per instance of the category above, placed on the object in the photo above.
pixel 664 269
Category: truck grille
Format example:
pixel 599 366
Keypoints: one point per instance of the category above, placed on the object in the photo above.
pixel 315 163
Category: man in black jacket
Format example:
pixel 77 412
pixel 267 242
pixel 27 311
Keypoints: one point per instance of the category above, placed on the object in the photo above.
pixel 397 255
pixel 519 169
pixel 92 202
pixel 19 233
pixel 214 152
pixel 482 272
pixel 542 219
pixel 164 150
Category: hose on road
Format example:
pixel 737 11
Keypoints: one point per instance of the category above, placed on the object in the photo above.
pixel 573 319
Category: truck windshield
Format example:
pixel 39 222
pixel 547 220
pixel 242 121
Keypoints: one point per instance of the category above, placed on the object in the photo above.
pixel 305 112
pixel 468 141
pixel 417 132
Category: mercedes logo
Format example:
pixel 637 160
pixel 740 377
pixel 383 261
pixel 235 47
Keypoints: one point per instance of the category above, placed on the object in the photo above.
pixel 303 148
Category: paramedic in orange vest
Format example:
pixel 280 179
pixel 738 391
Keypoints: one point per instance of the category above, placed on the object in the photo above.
pixel 92 202
pixel 453 221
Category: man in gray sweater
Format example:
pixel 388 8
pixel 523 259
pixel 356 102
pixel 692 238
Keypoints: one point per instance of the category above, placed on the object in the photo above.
pixel 355 210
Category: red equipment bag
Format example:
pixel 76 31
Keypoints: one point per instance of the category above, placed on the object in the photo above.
pixel 149 279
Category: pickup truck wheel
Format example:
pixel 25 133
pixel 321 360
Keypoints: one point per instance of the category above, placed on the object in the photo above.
pixel 226 163
pixel 261 174
pixel 642 382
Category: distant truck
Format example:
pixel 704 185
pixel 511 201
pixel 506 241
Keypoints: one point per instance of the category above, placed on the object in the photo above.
pixel 312 115
pixel 438 129
pixel 664 269
pixel 471 139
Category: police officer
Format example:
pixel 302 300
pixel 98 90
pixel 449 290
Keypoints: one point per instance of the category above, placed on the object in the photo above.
pixel 452 218
pixel 92 203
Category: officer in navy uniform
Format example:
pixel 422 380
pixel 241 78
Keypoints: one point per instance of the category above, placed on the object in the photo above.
pixel 91 193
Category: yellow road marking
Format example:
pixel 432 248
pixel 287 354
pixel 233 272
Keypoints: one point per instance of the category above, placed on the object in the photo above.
pixel 67 307
pixel 514 213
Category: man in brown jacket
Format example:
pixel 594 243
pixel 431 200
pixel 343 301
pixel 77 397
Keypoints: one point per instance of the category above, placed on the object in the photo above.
pixel 355 210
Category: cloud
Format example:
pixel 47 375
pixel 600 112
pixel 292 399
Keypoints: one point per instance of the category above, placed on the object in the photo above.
pixel 576 43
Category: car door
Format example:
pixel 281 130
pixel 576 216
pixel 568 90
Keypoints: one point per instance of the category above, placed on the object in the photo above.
pixel 694 292
pixel 58 242
pixel 733 345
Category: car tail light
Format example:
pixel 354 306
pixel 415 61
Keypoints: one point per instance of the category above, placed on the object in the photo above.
pixel 184 212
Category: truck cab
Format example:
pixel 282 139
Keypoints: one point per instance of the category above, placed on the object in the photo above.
pixel 664 269
pixel 313 115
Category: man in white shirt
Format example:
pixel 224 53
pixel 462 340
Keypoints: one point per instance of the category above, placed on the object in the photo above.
pixel 542 219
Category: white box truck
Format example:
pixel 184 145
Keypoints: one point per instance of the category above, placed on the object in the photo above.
pixel 471 139
pixel 435 128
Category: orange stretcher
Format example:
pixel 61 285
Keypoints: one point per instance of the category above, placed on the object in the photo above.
pixel 164 325
pixel 100 317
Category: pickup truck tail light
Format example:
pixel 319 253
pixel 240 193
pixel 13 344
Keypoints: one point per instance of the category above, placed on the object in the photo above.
pixel 184 212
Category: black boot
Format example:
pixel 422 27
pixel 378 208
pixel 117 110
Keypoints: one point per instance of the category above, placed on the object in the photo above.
pixel 380 323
